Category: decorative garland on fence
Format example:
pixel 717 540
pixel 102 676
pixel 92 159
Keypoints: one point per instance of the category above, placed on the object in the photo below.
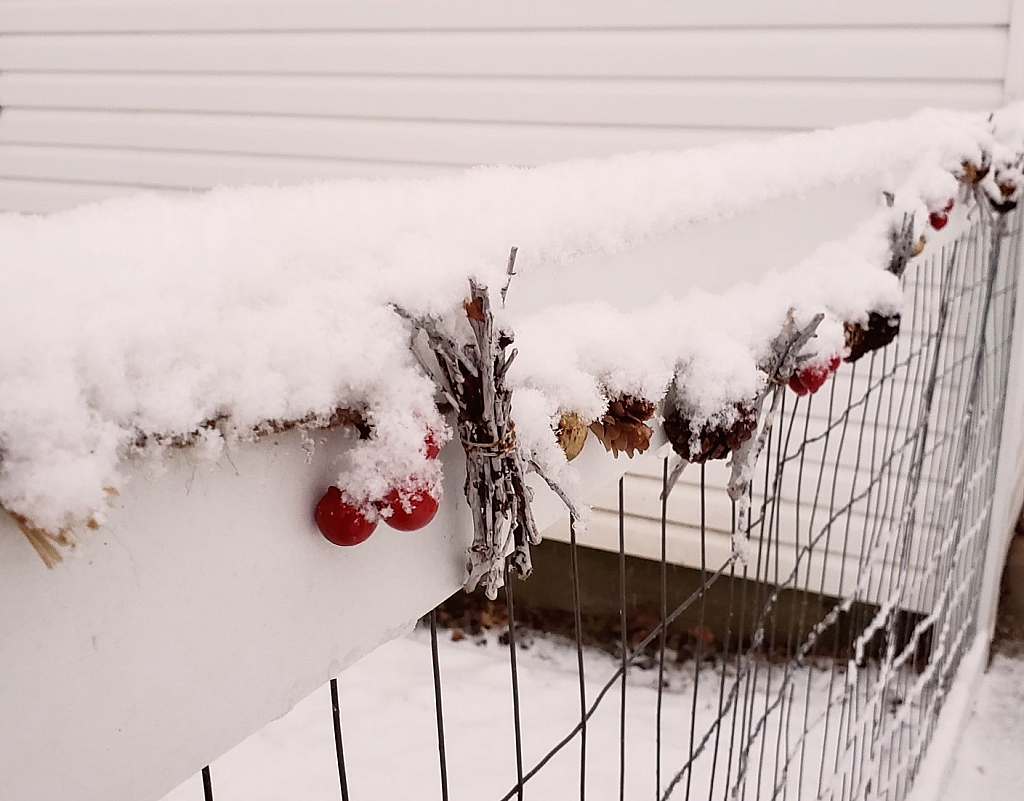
pixel 472 375
pixel 469 360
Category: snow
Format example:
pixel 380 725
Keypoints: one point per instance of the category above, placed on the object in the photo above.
pixel 150 322
pixel 988 762
pixel 389 728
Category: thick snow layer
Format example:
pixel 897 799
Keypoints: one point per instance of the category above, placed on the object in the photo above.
pixel 144 322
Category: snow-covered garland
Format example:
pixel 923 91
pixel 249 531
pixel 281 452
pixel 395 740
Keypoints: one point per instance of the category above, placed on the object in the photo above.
pixel 702 370
pixel 473 377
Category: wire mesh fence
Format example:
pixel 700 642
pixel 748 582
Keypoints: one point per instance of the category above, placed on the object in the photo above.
pixel 837 639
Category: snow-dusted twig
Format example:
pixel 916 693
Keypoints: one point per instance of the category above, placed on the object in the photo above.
pixel 673 478
pixel 901 241
pixel 510 272
pixel 779 366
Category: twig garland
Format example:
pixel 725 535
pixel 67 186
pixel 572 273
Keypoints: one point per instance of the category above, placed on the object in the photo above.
pixel 473 376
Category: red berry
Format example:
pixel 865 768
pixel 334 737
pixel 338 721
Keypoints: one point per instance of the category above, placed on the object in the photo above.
pixel 949 205
pixel 796 385
pixel 411 512
pixel 834 362
pixel 430 443
pixel 938 220
pixel 813 377
pixel 341 522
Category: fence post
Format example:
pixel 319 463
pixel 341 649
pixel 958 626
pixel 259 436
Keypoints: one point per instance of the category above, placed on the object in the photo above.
pixel 1010 467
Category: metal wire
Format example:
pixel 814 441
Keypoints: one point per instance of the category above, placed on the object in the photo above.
pixel 442 757
pixel 870 518
pixel 339 748
pixel 207 785
pixel 513 665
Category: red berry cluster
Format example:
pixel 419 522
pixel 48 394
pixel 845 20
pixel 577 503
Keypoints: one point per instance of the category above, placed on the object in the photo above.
pixel 811 378
pixel 938 218
pixel 346 524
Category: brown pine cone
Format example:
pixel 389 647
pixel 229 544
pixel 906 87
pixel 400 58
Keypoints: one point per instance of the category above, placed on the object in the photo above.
pixel 623 428
pixel 572 434
pixel 714 441
pixel 1005 202
pixel 971 173
pixel 879 332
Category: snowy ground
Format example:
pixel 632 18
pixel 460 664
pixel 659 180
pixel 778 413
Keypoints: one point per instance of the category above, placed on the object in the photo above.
pixel 387 708
pixel 991 756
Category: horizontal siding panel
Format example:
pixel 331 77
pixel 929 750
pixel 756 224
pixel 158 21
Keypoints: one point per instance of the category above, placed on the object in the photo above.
pixel 743 104
pixel 928 54
pixel 792 524
pixel 455 144
pixel 196 171
pixel 217 15
pixel 49 196
pixel 821 570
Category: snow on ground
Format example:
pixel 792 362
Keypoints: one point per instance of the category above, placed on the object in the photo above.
pixel 991 755
pixel 387 708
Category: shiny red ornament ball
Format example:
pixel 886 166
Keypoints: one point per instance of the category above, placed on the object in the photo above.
pixel 341 522
pixel 938 220
pixel 410 513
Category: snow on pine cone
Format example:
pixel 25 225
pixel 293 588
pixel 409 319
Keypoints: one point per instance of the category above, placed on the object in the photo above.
pixel 879 332
pixel 623 427
pixel 971 173
pixel 1006 190
pixel 711 439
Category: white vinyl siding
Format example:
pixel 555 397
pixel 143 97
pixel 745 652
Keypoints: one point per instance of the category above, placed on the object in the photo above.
pixel 102 98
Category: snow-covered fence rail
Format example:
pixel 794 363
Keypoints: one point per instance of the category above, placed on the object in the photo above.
pixel 278 335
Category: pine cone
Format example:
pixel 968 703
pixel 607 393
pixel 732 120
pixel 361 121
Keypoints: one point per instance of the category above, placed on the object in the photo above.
pixel 714 441
pixel 971 173
pixel 623 427
pixel 572 434
pixel 1004 202
pixel 879 332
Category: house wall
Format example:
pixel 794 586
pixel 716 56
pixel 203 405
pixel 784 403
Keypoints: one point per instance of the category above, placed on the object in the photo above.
pixel 103 98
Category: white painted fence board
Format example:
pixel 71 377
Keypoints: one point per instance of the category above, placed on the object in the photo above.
pixel 112 661
pixel 929 53
pixel 468 15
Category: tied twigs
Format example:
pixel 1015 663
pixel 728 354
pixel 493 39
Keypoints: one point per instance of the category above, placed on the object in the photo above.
pixel 472 376
pixel 901 246
pixel 779 366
